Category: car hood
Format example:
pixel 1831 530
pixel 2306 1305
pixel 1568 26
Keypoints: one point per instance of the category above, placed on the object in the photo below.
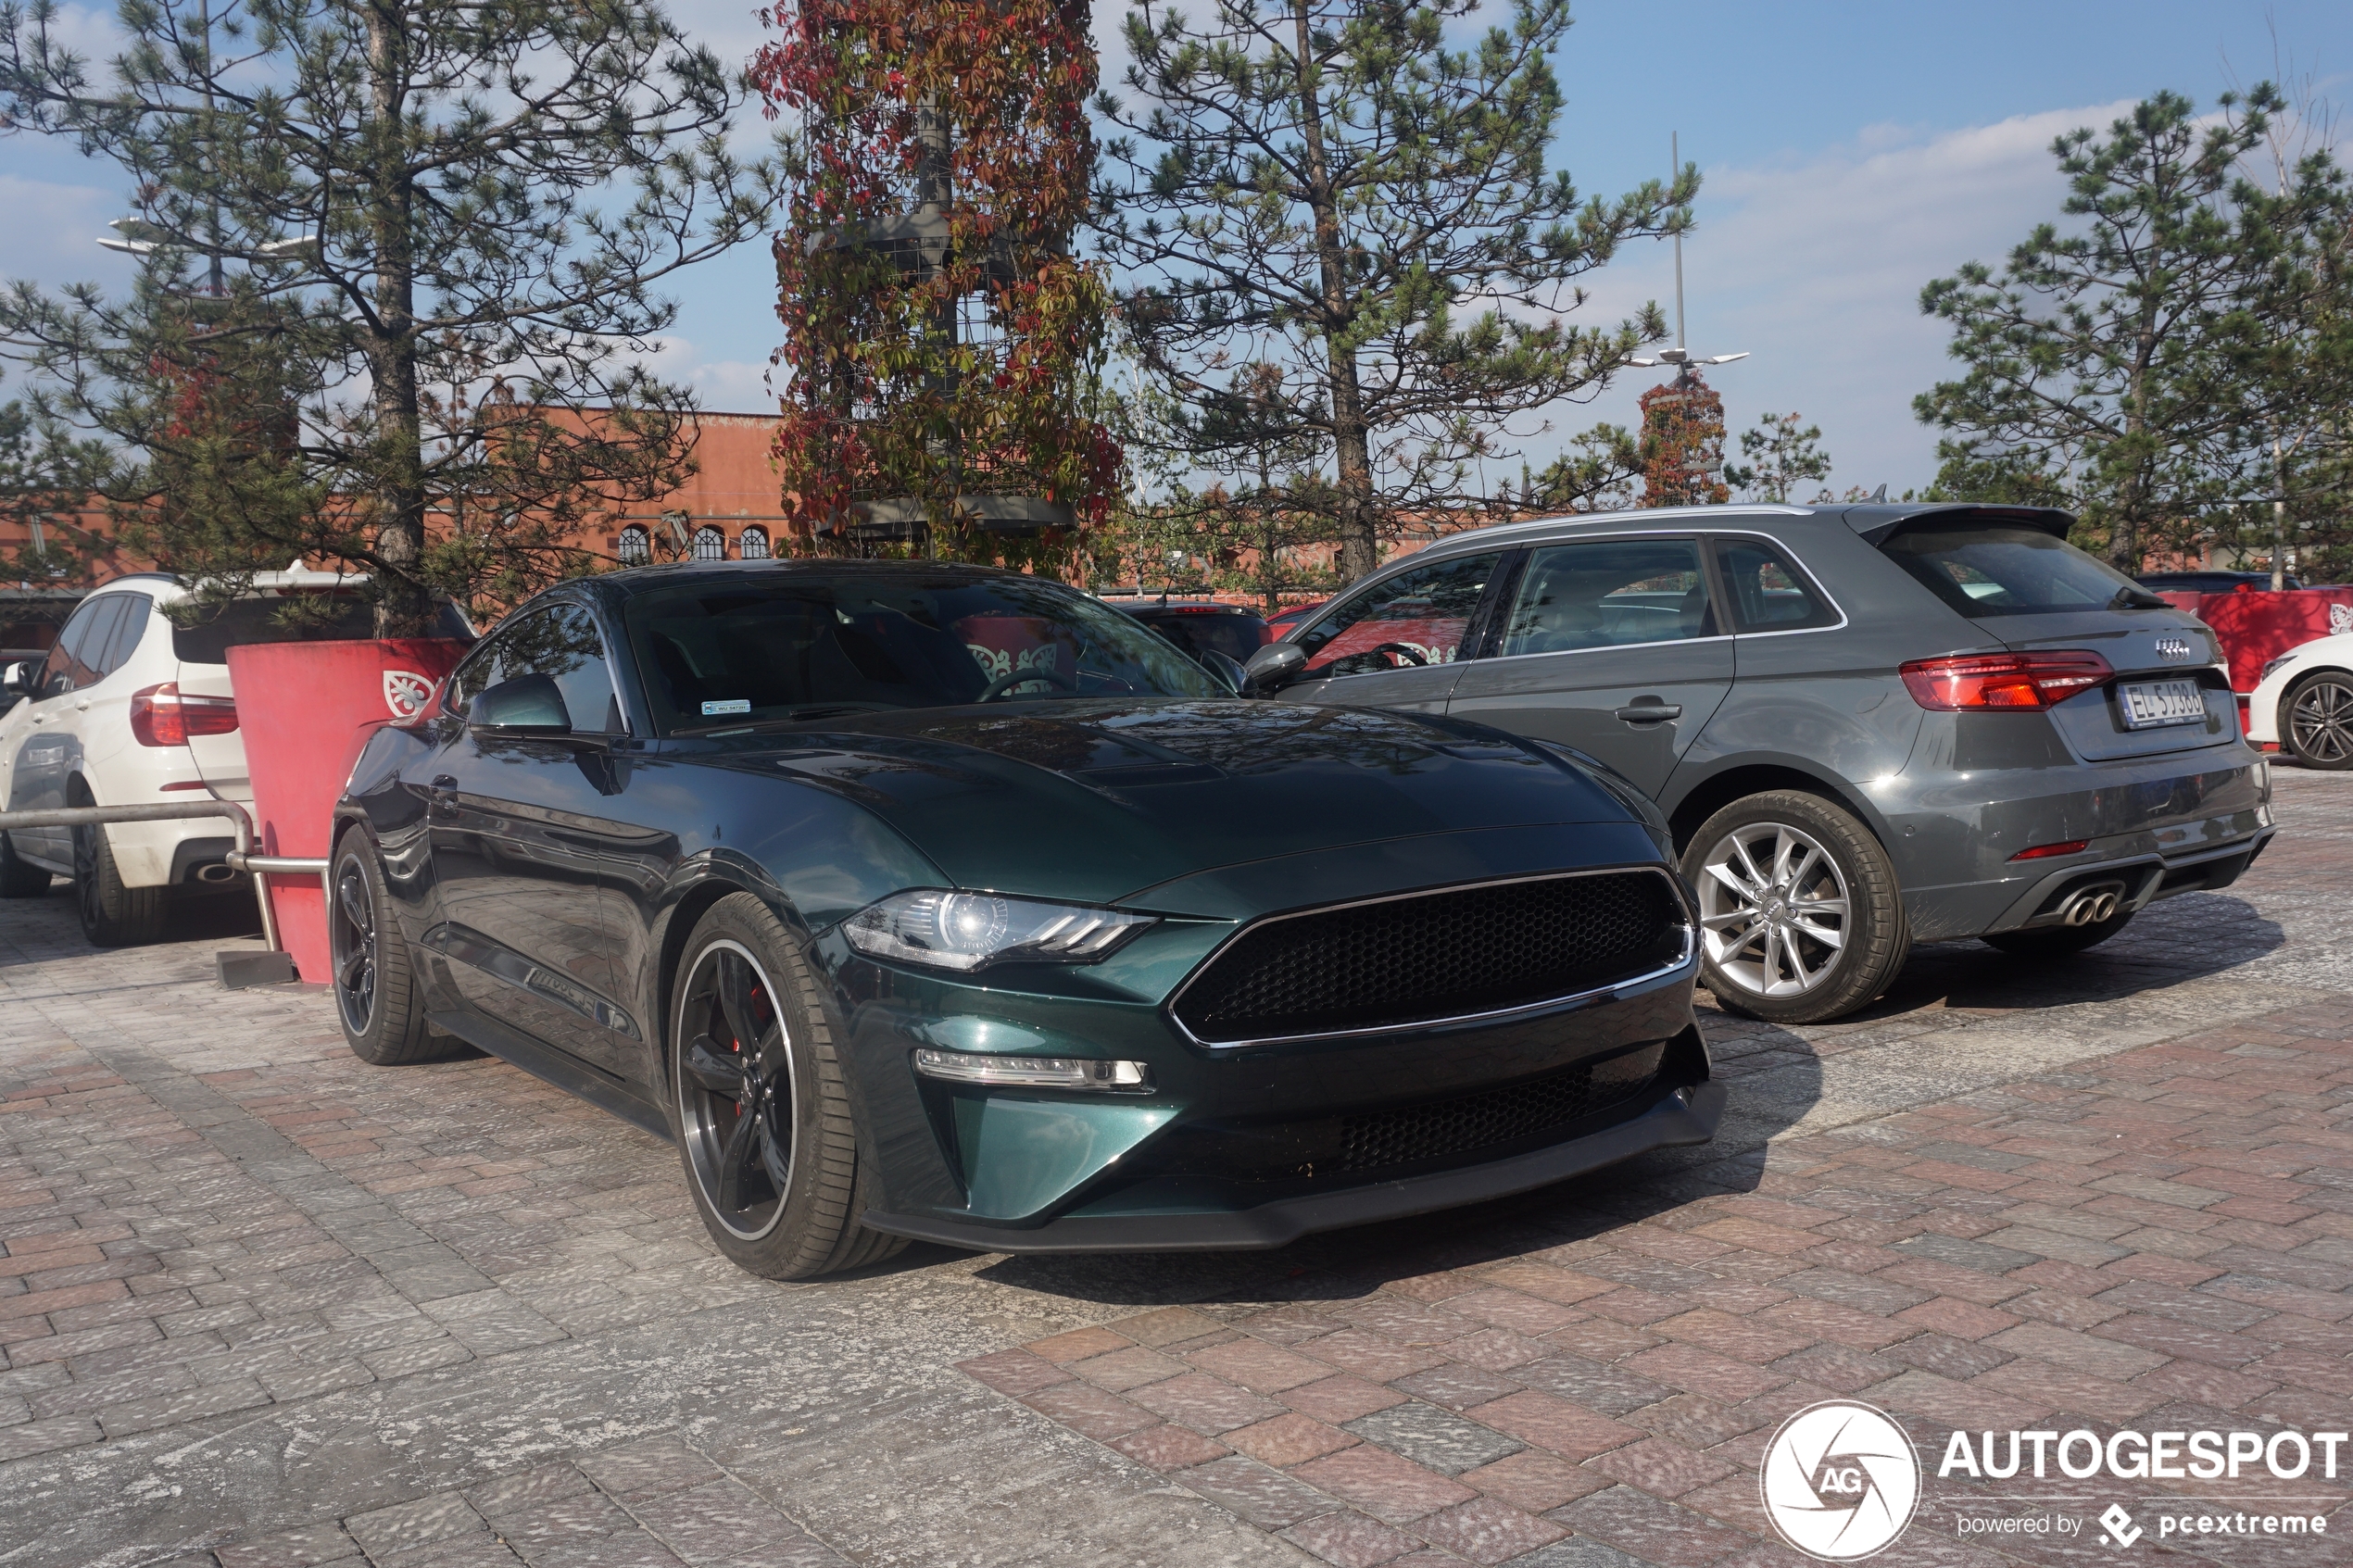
pixel 1102 800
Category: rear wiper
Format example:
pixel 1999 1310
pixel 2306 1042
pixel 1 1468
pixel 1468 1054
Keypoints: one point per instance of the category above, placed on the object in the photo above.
pixel 2131 597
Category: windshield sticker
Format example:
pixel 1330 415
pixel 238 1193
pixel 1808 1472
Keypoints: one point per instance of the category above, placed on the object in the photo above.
pixel 734 705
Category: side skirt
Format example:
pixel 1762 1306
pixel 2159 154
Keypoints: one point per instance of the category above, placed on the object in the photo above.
pixel 566 1072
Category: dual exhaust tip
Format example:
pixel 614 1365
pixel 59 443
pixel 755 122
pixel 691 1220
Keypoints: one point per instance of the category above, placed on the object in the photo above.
pixel 2089 906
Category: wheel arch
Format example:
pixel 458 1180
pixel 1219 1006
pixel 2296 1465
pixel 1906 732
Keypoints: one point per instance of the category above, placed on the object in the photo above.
pixel 1738 780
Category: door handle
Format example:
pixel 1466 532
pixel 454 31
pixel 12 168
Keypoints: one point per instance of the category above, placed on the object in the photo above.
pixel 1651 714
pixel 83 707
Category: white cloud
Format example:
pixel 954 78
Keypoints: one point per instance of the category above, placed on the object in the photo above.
pixel 1816 267
pixel 725 386
pixel 52 233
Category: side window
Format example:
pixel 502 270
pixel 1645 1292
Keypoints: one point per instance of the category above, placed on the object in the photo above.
pixel 1416 618
pixel 476 672
pixel 1769 592
pixel 73 663
pixel 1609 593
pixel 129 628
pixel 562 645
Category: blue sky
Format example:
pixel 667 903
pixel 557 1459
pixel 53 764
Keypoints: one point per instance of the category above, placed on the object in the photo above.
pixel 1852 152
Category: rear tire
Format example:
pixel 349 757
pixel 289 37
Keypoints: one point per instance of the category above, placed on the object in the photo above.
pixel 112 915
pixel 2316 720
pixel 379 999
pixel 1809 931
pixel 20 878
pixel 2058 941
pixel 764 1125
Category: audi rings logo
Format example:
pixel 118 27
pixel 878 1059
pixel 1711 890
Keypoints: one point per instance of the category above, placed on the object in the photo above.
pixel 2173 651
pixel 1840 1480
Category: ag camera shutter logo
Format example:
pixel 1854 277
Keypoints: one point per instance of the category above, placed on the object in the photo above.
pixel 1840 1480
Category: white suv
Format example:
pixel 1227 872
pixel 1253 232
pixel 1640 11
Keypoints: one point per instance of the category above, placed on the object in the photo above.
pixel 131 709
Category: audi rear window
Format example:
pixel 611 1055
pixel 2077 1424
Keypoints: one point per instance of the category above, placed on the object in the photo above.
pixel 1984 570
pixel 244 622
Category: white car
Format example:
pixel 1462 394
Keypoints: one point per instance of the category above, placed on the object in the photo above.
pixel 130 708
pixel 2304 703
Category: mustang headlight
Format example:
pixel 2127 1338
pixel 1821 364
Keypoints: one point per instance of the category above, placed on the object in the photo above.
pixel 964 931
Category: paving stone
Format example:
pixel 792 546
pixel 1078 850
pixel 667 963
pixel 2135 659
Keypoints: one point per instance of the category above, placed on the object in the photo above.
pixel 1203 1403
pixel 292 1548
pixel 416 1523
pixel 648 1467
pixel 1384 1485
pixel 1264 1496
pixel 1168 1447
pixel 1428 1435
pixel 1534 1480
pixel 1487 1531
pixel 1350 1540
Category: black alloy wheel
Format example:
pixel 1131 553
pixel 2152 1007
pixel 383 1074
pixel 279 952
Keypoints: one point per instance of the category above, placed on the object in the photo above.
pixel 351 938
pixel 112 914
pixel 762 1115
pixel 735 1101
pixel 380 999
pixel 2316 720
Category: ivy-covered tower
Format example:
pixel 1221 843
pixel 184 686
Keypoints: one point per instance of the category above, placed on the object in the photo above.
pixel 940 338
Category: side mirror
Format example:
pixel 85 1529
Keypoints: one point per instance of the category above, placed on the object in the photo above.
pixel 1273 666
pixel 527 708
pixel 1224 669
pixel 17 677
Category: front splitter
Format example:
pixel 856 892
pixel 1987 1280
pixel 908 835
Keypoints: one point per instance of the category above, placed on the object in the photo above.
pixel 1689 1116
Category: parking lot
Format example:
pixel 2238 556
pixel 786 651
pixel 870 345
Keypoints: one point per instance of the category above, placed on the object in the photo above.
pixel 261 1304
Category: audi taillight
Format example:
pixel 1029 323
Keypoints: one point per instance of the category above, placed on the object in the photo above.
pixel 167 716
pixel 2003 679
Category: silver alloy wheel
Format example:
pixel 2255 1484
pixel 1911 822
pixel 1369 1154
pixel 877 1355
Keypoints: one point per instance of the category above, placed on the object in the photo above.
pixel 2321 721
pixel 1774 909
pixel 736 1104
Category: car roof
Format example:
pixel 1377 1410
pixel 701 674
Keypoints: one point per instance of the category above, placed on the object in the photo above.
pixel 674 574
pixel 1873 521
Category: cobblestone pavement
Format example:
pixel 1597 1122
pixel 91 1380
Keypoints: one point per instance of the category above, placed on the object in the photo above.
pixel 261 1304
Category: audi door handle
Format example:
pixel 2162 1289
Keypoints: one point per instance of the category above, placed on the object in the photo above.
pixel 1657 715
pixel 83 707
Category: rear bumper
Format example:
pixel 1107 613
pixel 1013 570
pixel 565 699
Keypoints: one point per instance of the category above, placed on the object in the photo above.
pixel 1687 1116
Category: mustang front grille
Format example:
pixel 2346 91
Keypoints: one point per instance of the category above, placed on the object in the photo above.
pixel 1419 958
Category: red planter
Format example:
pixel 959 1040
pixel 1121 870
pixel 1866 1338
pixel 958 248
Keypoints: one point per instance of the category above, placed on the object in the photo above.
pixel 305 708
pixel 2257 626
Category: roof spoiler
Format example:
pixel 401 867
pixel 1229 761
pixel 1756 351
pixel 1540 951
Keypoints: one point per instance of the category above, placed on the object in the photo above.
pixel 1876 526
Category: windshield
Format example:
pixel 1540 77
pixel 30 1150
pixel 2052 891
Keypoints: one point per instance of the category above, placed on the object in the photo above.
pixel 1235 636
pixel 1984 571
pixel 721 654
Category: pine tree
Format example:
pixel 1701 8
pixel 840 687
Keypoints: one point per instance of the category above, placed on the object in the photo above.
pixel 1781 457
pixel 1330 187
pixel 395 211
pixel 2096 362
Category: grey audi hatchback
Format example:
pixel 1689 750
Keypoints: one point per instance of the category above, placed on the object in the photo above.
pixel 1865 726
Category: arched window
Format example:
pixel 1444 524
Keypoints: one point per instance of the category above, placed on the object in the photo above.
pixel 636 545
pixel 755 543
pixel 710 543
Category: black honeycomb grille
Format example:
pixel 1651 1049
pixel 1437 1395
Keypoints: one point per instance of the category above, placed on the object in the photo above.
pixel 1473 1122
pixel 1434 954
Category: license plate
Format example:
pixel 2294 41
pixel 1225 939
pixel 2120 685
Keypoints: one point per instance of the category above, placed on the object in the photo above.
pixel 2148 704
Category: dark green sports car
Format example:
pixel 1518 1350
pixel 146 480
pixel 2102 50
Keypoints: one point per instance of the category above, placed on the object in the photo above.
pixel 932 901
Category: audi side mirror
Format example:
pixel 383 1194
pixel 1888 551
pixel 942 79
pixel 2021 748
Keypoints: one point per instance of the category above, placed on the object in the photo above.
pixel 18 678
pixel 1272 668
pixel 525 708
pixel 1224 669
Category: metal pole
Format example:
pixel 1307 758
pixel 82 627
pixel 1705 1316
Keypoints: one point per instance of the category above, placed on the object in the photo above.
pixel 1675 154
pixel 242 858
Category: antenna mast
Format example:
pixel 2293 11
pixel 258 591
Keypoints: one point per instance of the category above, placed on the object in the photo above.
pixel 1675 172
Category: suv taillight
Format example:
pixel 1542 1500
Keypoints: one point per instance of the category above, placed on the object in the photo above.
pixel 165 716
pixel 2004 680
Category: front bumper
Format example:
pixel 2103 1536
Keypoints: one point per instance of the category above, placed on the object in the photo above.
pixel 1249 1146
pixel 1686 1116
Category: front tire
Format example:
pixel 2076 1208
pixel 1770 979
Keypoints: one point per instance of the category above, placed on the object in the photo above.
pixel 1801 917
pixel 2316 720
pixel 112 915
pixel 764 1125
pixel 378 998
pixel 20 878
